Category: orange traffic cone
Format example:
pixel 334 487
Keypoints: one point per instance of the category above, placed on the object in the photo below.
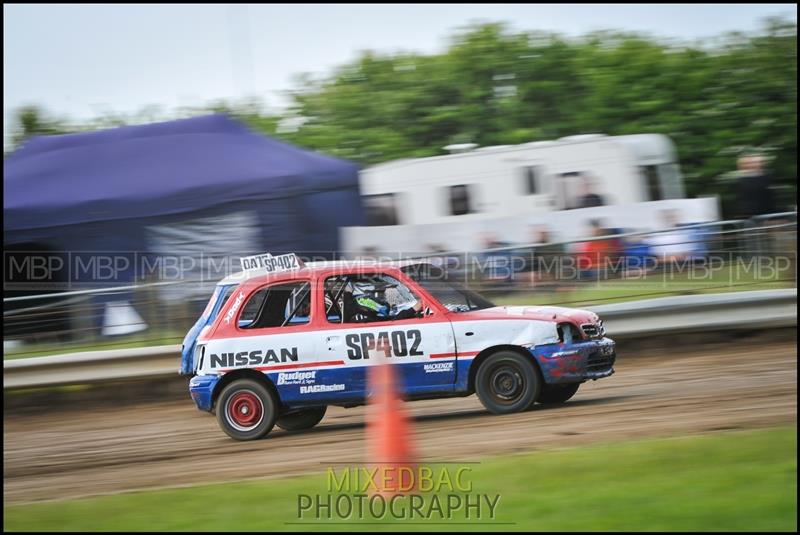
pixel 389 433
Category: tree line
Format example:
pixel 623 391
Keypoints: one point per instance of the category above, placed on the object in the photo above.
pixel 493 85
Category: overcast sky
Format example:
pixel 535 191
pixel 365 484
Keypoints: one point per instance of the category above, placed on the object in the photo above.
pixel 81 60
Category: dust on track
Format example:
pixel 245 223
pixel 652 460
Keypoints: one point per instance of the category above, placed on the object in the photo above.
pixel 105 450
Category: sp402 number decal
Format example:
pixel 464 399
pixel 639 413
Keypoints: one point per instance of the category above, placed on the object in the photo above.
pixel 390 343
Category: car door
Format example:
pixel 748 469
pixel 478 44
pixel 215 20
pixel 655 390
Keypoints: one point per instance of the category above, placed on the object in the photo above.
pixel 423 348
pixel 268 330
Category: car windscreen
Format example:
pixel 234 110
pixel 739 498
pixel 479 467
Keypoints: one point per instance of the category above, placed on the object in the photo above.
pixel 218 298
pixel 454 295
pixel 221 295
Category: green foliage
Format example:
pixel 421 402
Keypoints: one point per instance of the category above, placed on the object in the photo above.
pixel 32 121
pixel 496 86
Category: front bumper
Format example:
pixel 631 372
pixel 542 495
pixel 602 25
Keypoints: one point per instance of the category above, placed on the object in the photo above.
pixel 577 362
pixel 201 388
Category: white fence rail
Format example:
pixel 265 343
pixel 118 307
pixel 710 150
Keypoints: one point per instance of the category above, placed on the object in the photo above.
pixel 709 312
pixel 704 312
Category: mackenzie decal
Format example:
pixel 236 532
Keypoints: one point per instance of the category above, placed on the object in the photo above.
pixel 437 367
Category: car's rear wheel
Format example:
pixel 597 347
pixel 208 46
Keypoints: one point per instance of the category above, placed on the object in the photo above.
pixel 246 410
pixel 302 419
pixel 507 382
pixel 552 394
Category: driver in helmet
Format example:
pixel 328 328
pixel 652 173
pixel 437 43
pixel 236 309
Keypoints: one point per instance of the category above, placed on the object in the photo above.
pixel 371 304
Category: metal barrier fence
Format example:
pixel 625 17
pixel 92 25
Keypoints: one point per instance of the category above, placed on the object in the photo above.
pixel 759 253
pixel 763 309
pixel 724 254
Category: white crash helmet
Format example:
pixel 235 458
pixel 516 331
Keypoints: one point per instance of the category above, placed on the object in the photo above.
pixel 363 288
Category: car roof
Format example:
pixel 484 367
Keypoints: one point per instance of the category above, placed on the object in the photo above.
pixel 313 267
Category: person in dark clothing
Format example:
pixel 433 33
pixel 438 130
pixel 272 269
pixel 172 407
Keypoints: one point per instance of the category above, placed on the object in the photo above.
pixel 588 198
pixel 753 193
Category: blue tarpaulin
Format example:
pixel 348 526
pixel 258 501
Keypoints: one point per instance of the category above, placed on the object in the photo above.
pixel 82 191
pixel 166 201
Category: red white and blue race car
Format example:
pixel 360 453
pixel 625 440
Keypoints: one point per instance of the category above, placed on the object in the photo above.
pixel 281 341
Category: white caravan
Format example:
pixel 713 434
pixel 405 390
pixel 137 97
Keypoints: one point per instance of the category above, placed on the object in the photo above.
pixel 463 201
pixel 527 179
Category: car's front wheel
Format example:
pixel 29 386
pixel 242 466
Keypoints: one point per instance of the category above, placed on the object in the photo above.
pixel 246 410
pixel 552 394
pixel 507 382
pixel 302 419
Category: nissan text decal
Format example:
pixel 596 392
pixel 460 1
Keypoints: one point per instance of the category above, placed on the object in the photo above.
pixel 253 358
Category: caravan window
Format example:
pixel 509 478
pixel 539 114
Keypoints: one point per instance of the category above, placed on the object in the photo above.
pixel 460 203
pixel 381 210
pixel 652 184
pixel 530 179
pixel 568 190
pixel 670 176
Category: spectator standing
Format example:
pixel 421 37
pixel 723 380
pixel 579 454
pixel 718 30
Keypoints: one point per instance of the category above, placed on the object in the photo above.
pixel 593 256
pixel 753 193
pixel 546 257
pixel 588 198
pixel 676 245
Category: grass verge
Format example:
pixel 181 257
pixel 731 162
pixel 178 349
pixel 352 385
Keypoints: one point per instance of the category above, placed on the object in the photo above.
pixel 729 481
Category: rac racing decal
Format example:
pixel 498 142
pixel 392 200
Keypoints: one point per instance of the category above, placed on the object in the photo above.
pixel 316 389
pixel 253 358
pixel 390 343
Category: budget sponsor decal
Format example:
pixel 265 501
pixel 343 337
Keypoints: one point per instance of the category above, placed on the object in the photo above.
pixel 296 378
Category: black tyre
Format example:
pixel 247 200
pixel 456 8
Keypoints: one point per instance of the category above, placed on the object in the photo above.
pixel 302 419
pixel 558 393
pixel 507 382
pixel 246 409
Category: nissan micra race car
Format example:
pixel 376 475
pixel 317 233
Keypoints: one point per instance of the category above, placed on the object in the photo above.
pixel 280 342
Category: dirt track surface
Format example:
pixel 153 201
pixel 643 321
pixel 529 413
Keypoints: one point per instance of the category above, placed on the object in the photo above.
pixel 164 444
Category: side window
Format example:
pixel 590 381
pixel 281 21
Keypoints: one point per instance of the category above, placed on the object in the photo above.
pixel 368 298
pixel 460 201
pixel 530 179
pixel 650 176
pixel 334 290
pixel 278 305
pixel 669 175
pixel 381 210
pixel 568 190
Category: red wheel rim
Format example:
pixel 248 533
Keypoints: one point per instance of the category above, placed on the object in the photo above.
pixel 245 410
